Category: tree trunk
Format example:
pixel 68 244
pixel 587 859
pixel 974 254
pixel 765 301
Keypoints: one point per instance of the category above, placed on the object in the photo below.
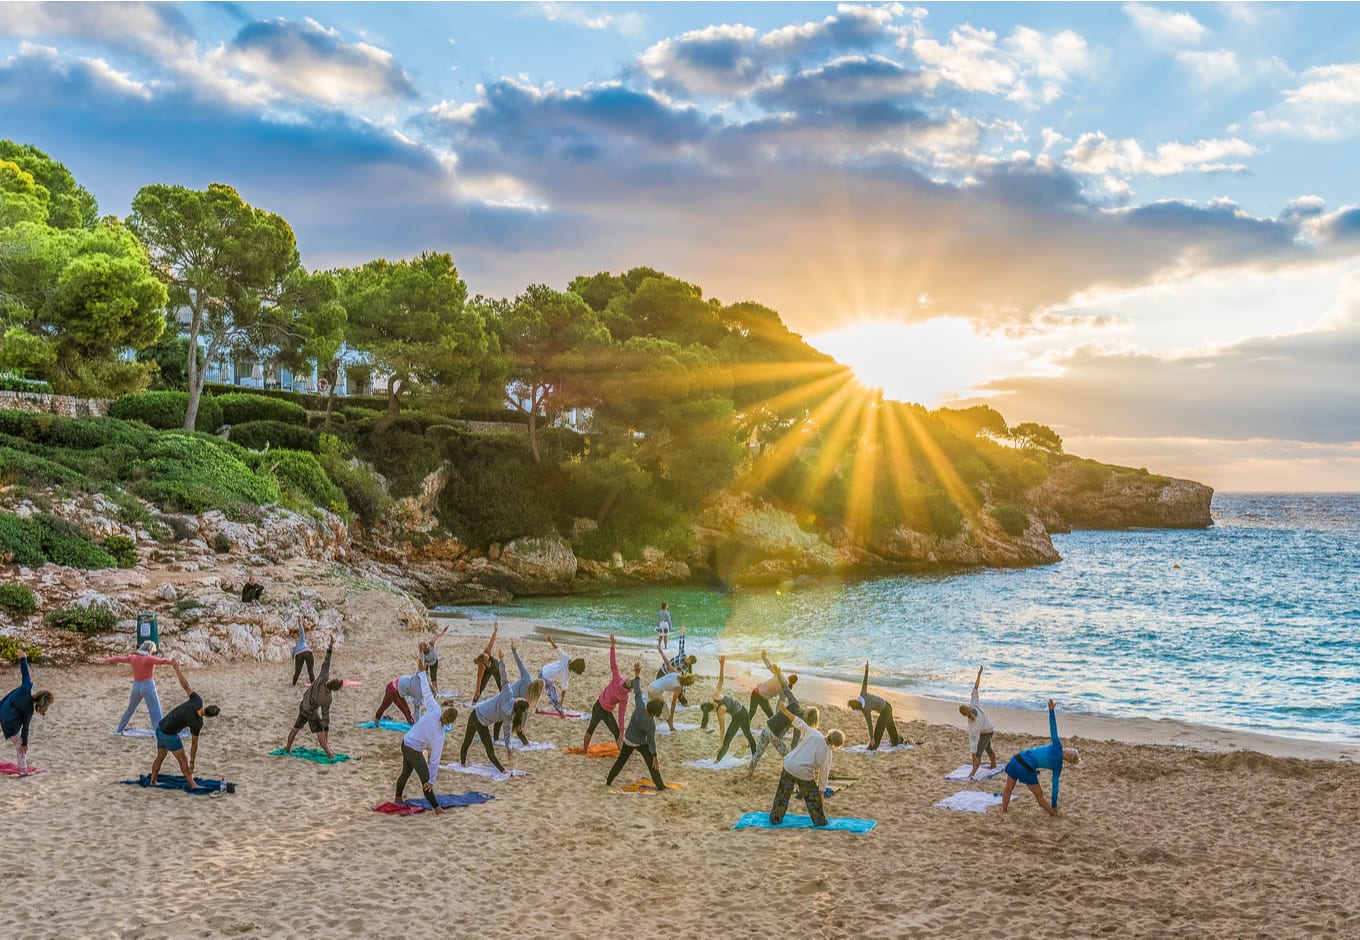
pixel 195 380
pixel 389 417
pixel 533 434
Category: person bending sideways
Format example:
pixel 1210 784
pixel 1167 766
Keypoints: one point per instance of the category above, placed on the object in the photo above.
pixel 680 662
pixel 778 725
pixel 806 768
pixel 504 709
pixel 613 697
pixel 1024 767
pixel 641 734
pixel 315 708
pixel 143 663
pixel 669 682
pixel 399 692
pixel 980 729
pixel 869 704
pixel 427 734
pixel 189 714
pixel 431 656
pixel 16 712
pixel 486 667
pixel 770 689
pixel 557 674
pixel 730 712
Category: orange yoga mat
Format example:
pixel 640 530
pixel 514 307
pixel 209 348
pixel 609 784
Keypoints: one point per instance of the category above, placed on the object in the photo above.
pixel 598 749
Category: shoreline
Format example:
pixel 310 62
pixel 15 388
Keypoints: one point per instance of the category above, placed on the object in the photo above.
pixel 1155 732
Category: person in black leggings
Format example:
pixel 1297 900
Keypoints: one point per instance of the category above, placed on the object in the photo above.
pixel 486 667
pixel 641 734
pixel 486 719
pixel 730 711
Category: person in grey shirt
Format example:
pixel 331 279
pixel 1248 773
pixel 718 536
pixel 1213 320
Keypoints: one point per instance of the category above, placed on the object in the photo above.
pixel 778 725
pixel 505 709
pixel 641 734
pixel 869 705
pixel 315 708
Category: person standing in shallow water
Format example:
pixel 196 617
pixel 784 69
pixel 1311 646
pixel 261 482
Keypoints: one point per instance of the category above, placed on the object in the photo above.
pixel 1024 767
pixel 663 625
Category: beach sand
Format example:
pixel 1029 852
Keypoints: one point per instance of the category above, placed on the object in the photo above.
pixel 1152 841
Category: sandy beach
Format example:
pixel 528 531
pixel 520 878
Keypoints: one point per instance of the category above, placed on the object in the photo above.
pixel 1156 838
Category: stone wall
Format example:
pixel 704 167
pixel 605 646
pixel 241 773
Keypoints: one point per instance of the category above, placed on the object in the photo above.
pixel 63 405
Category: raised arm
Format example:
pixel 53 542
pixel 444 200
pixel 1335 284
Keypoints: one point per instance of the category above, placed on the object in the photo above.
pixel 1053 724
pixel 514 651
pixel 613 659
pixel 978 681
pixel 491 643
pixel 426 693
pixel 183 682
pixel 325 674
pixel 665 660
pixel 637 686
pixel 864 686
pixel 722 667
pixel 551 641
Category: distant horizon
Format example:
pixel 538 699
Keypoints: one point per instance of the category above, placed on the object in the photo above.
pixel 1137 224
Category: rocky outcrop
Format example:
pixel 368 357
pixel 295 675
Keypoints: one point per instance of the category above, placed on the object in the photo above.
pixel 749 542
pixel 1085 495
pixel 982 543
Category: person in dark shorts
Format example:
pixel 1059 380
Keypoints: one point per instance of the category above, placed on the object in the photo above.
pixel 188 715
pixel 1025 766
pixel 315 708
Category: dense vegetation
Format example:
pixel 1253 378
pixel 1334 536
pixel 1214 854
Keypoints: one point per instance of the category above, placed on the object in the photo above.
pixel 685 395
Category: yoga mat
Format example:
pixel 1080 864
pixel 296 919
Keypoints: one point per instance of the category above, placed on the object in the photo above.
pixel 982 772
pixel 314 754
pixel 883 749
pixel 970 801
pixel 599 749
pixel 484 770
pixel 646 786
pixel 790 821
pixel 205 786
pixel 142 733
pixel 730 762
pixel 515 745
pixel 12 770
pixel 568 714
pixel 662 728
pixel 347 683
pixel 445 800
pixel 386 724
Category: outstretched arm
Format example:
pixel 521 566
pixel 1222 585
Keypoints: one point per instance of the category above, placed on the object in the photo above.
pixel 551 641
pixel 665 661
pixel 613 659
pixel 978 681
pixel 514 651
pixel 324 675
pixel 491 643
pixel 439 634
pixel 864 686
pixel 1053 724
pixel 183 682
pixel 722 666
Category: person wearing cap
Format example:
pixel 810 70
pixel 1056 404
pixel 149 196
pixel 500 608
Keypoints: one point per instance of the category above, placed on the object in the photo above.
pixel 143 663
pixel 1024 767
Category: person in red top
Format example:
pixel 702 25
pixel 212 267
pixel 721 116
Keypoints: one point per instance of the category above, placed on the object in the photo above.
pixel 613 697
pixel 143 663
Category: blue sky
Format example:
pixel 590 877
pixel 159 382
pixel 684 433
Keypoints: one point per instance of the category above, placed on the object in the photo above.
pixel 1136 223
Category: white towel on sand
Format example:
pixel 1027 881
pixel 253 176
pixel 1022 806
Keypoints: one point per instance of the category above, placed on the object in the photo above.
pixel 532 746
pixel 970 801
pixel 982 773
pixel 730 762
pixel 661 727
pixel 882 748
pixel 483 770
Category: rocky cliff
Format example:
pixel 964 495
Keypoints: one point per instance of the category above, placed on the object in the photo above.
pixel 1082 494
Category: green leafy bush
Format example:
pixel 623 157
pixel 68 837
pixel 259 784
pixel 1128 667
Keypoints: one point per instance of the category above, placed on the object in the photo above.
pixel 123 550
pixel 1013 519
pixel 13 383
pixel 86 620
pixel 165 410
pixel 33 470
pixel 42 538
pixel 17 599
pixel 193 473
pixel 243 407
pixel 404 458
pixel 186 604
pixel 255 435
pixel 300 474
pixel 10 648
pixel 363 494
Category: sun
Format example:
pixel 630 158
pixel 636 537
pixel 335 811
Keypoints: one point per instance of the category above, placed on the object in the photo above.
pixel 928 363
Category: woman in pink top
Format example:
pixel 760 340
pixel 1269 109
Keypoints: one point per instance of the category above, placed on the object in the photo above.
pixel 613 697
pixel 143 663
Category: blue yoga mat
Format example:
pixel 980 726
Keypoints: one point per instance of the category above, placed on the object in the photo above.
pixel 386 724
pixel 445 800
pixel 314 754
pixel 842 824
pixel 176 782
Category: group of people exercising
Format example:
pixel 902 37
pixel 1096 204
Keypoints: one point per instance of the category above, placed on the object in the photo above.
pixel 807 756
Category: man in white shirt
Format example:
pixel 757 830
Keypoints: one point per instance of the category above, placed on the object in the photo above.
pixel 426 734
pixel 980 729
pixel 557 674
pixel 807 767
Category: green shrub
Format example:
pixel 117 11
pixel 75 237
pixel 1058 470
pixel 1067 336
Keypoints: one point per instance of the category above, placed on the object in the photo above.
pixel 13 383
pixel 363 494
pixel 33 470
pixel 256 435
pixel 42 538
pixel 165 410
pixel 92 433
pixel 123 550
pixel 404 458
pixel 17 599
pixel 1013 519
pixel 300 474
pixel 359 413
pixel 186 604
pixel 193 473
pixel 10 648
pixel 243 408
pixel 86 620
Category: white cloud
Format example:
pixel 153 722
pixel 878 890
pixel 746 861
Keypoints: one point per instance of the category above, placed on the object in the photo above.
pixel 1326 106
pixel 592 17
pixel 1025 66
pixel 1094 153
pixel 969 60
pixel 1165 27
pixel 1211 68
pixel 117 80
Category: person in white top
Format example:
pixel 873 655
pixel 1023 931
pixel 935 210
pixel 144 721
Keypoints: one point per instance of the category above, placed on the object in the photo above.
pixel 557 674
pixel 663 625
pixel 980 729
pixel 807 767
pixel 671 683
pixel 426 734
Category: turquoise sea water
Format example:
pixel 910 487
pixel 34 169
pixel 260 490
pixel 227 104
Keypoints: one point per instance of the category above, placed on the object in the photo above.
pixel 1252 624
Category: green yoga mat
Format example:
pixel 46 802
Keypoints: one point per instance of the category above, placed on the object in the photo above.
pixel 313 754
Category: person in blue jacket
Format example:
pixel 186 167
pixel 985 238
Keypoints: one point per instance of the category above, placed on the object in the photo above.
pixel 16 712
pixel 1025 766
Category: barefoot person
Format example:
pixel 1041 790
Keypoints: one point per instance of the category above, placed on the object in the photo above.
pixel 779 724
pixel 403 692
pixel 806 768
pixel 680 663
pixel 769 690
pixel 1024 767
pixel 188 715
pixel 427 734
pixel 302 652
pixel 143 663
pixel 16 712
pixel 557 674
pixel 613 697
pixel 503 710
pixel 663 625
pixel 641 734
pixel 980 729
pixel 669 682
pixel 315 708
pixel 431 656
pixel 486 667
pixel 730 712
pixel 870 704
